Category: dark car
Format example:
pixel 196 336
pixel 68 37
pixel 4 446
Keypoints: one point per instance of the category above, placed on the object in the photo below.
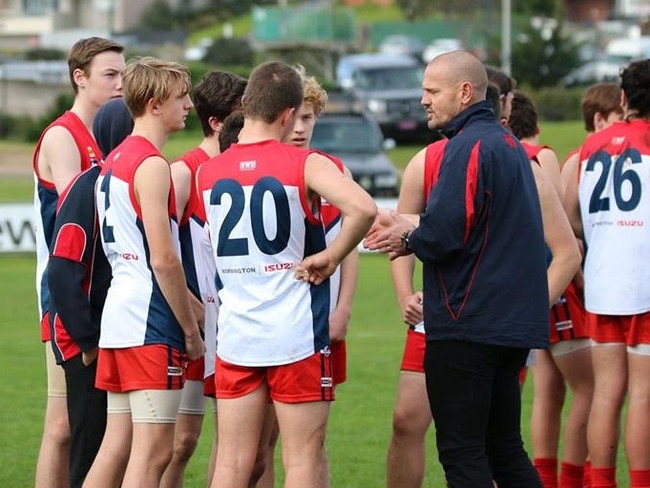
pixel 357 140
pixel 390 87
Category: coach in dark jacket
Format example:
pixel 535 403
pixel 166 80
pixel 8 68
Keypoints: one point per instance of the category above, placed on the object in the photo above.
pixel 487 290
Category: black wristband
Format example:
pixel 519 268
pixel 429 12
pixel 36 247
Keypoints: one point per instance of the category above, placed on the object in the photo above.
pixel 405 239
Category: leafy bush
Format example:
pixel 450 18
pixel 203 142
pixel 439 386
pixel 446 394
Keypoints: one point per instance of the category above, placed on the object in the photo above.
pixel 558 103
pixel 235 51
pixel 44 53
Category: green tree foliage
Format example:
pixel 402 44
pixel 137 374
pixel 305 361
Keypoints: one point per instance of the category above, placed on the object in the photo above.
pixel 417 9
pixel 235 51
pixel 542 57
pixel 543 8
pixel 159 16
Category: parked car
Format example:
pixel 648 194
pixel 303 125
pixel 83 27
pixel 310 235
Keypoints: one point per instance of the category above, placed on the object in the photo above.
pixel 593 72
pixel 390 87
pixel 402 44
pixel 440 46
pixel 357 140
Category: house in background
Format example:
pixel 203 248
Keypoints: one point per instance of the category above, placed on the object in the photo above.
pixel 23 23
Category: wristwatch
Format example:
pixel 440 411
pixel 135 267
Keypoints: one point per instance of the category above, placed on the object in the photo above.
pixel 405 240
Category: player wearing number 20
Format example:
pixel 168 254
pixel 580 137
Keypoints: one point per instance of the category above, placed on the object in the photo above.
pixel 262 203
pixel 614 199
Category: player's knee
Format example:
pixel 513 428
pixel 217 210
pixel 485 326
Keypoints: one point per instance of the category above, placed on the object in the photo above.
pixel 403 423
pixel 184 445
pixel 57 430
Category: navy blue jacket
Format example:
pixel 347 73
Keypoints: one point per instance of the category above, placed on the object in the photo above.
pixel 481 240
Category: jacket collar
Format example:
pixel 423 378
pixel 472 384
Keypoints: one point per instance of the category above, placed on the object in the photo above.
pixel 482 110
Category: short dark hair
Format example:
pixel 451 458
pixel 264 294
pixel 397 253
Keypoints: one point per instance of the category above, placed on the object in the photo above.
pixel 635 80
pixel 217 95
pixel 273 87
pixel 523 117
pixel 230 130
pixel 505 83
pixel 84 51
pixel 492 94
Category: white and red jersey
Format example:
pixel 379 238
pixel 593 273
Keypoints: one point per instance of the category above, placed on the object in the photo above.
pixel 261 226
pixel 136 312
pixel 45 203
pixel 331 217
pixel 197 257
pixel 614 195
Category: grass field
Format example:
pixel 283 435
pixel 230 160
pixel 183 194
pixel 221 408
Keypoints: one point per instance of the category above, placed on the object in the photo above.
pixel 360 423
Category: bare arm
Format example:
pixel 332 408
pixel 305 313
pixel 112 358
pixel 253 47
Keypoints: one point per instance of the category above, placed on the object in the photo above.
pixel 59 160
pixel 558 237
pixel 411 201
pixel 152 186
pixel 551 166
pixel 570 180
pixel 358 210
pixel 340 317
pixel 182 178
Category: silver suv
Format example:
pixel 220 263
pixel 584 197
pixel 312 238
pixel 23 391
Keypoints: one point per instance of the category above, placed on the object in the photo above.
pixel 390 87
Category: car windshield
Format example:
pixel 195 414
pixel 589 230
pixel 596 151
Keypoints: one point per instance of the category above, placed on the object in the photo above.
pixel 402 77
pixel 342 135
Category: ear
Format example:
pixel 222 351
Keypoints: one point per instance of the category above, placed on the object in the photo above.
pixel 153 107
pixel 467 92
pixel 286 118
pixel 598 121
pixel 624 101
pixel 79 77
pixel 215 124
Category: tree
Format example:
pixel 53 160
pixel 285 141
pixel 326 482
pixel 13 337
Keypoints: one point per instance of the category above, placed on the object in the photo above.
pixel 159 16
pixel 543 8
pixel 541 56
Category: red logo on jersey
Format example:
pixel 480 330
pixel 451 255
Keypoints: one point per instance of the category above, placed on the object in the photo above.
pixel 277 267
pixel 130 256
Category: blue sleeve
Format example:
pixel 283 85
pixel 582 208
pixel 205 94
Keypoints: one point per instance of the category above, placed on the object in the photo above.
pixel 69 300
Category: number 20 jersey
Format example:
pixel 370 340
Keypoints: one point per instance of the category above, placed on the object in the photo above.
pixel 614 195
pixel 262 226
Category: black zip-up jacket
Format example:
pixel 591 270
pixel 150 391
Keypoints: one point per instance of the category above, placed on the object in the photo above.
pixel 481 240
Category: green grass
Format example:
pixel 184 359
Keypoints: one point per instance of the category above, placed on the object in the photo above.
pixel 360 423
pixel 16 189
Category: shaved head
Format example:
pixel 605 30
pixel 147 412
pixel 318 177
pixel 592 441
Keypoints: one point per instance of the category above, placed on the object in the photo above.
pixel 452 82
pixel 462 66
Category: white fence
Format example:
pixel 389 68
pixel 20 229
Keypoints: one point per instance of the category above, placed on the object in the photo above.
pixel 17 225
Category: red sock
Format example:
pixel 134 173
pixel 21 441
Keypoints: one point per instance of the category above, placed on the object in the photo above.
pixel 586 477
pixel 640 478
pixel 547 470
pixel 571 475
pixel 603 477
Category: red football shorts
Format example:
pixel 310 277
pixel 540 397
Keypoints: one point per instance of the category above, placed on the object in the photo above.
pixel 339 361
pixel 627 329
pixel 307 380
pixel 568 317
pixel 195 370
pixel 209 387
pixel 153 367
pixel 413 357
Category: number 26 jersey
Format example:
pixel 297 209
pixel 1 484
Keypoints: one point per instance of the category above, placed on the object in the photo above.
pixel 614 195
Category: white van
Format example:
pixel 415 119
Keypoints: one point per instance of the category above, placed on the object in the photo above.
pixel 624 50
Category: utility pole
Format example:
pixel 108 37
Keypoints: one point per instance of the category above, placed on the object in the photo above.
pixel 506 41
